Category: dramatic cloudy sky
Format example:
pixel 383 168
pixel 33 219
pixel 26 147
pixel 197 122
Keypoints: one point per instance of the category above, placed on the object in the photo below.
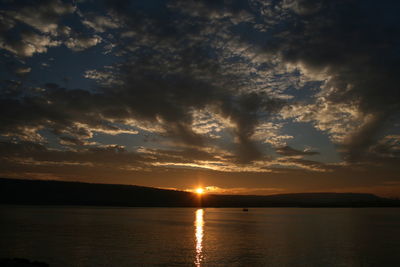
pixel 240 96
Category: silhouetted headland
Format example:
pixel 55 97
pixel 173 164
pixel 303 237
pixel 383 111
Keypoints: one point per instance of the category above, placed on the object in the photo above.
pixel 20 262
pixel 38 192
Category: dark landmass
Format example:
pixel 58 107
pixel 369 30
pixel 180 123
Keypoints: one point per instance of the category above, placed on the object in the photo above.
pixel 19 262
pixel 35 192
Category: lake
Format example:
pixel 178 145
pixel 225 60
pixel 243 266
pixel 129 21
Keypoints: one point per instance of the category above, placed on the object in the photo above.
pixel 104 236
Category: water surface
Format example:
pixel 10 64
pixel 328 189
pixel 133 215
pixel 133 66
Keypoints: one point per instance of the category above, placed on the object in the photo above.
pixel 103 236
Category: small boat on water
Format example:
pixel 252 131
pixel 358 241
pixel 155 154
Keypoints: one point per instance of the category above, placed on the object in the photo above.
pixel 245 209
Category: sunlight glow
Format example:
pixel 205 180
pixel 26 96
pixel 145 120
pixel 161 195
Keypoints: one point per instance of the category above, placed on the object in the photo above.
pixel 199 223
pixel 200 191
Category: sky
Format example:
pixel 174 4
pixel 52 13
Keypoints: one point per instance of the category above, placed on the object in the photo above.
pixel 238 97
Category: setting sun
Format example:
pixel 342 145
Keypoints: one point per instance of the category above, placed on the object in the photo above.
pixel 200 191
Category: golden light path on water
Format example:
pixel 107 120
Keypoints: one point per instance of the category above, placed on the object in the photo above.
pixel 199 223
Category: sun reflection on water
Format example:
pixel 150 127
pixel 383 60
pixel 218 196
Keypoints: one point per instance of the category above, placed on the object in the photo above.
pixel 199 223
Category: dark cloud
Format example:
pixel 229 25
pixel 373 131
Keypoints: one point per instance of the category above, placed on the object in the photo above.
pixel 173 59
pixel 26 43
pixel 244 112
pixel 114 156
pixel 43 16
pixel 74 113
pixel 355 46
pixel 41 27
pixel 179 71
pixel 152 92
pixel 174 72
pixel 309 164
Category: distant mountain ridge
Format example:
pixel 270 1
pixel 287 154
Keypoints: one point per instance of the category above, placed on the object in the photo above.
pixel 40 192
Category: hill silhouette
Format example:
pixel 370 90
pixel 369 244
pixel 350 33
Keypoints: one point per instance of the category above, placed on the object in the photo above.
pixel 39 192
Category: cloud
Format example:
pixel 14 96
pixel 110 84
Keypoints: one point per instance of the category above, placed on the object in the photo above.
pixel 43 16
pixel 29 44
pixel 270 132
pixel 6 23
pixel 105 77
pixel 81 42
pixel 310 165
pixel 60 111
pixel 47 30
pixel 43 20
pixel 384 152
pixel 100 23
pixel 352 48
pixel 206 85
pixel 244 114
pixel 23 71
pixel 388 147
pixel 335 119
pixel 94 155
pixel 289 151
pixel 171 92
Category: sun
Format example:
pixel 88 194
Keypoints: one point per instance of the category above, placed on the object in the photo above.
pixel 200 191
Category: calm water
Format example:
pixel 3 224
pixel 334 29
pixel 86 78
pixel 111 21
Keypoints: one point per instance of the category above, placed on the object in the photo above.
pixel 90 236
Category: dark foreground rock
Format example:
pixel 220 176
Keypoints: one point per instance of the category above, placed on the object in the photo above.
pixel 18 262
